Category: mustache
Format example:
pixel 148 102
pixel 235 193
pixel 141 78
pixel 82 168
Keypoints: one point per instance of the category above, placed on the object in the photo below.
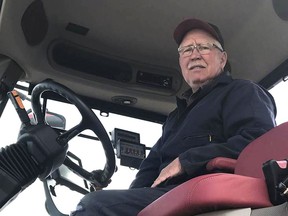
pixel 193 65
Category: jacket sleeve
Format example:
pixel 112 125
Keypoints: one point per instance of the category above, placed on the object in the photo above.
pixel 248 111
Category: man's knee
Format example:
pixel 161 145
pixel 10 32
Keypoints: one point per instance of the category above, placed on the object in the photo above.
pixel 89 204
pixel 117 202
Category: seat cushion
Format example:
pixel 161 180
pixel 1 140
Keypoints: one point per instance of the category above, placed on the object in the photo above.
pixel 209 193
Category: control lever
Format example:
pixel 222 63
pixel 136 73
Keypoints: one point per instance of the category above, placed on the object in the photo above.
pixel 17 103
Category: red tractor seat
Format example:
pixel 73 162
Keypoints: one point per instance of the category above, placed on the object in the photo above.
pixel 244 188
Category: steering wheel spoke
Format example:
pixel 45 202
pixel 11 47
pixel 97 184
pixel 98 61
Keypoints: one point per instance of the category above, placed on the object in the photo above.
pixel 71 133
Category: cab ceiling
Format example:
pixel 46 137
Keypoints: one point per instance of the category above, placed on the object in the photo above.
pixel 139 33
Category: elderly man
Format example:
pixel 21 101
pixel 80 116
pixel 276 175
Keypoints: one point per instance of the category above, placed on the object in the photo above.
pixel 217 116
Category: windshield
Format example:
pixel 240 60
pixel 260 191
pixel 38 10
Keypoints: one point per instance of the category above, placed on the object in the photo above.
pixel 32 200
pixel 88 150
pixel 279 93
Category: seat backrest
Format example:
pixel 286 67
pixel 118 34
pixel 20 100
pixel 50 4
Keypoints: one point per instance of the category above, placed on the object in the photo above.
pixel 272 145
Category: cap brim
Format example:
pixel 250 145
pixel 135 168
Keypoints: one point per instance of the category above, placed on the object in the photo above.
pixel 190 24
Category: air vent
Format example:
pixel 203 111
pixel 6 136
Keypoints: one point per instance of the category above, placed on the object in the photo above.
pixel 77 29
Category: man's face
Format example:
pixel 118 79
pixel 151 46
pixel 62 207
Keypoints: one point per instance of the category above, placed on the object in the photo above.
pixel 198 68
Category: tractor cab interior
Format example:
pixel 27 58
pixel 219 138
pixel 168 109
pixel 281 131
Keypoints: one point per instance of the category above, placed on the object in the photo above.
pixel 103 74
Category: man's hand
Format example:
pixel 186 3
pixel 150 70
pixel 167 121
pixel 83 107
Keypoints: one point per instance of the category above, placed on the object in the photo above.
pixel 173 169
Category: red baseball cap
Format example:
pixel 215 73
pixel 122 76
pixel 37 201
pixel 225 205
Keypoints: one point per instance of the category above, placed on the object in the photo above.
pixel 190 24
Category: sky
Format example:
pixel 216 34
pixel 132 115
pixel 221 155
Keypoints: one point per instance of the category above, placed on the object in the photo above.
pixel 32 200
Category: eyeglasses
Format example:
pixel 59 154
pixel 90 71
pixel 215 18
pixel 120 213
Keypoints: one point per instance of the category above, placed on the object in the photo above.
pixel 203 49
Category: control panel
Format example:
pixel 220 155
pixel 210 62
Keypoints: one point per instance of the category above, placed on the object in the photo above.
pixel 128 148
pixel 130 154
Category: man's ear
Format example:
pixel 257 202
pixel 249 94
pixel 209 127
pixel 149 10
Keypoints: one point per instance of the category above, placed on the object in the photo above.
pixel 223 59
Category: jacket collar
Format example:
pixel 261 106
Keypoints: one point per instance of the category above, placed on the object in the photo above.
pixel 221 79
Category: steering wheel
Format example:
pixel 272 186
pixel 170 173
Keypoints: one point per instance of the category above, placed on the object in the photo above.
pixel 100 178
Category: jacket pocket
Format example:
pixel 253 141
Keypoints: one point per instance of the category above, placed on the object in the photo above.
pixel 198 139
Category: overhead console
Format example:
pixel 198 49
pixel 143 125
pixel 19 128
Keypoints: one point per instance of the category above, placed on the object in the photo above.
pixel 74 59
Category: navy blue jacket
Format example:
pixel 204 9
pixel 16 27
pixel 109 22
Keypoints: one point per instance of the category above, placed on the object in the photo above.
pixel 223 118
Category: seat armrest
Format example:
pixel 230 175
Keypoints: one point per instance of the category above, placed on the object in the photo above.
pixel 221 164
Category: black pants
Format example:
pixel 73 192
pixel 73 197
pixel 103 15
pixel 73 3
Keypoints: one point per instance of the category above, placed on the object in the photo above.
pixel 118 202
